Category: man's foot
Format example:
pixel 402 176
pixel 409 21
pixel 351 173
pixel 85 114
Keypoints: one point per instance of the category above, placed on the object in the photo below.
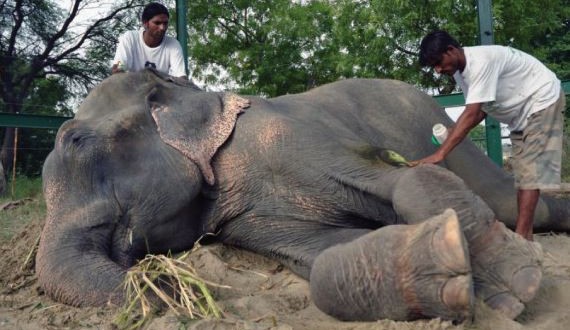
pixel 526 233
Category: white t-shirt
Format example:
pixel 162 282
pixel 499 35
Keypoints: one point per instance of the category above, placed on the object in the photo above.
pixel 135 55
pixel 511 84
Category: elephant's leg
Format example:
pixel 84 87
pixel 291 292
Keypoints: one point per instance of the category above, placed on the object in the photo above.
pixel 506 267
pixel 399 272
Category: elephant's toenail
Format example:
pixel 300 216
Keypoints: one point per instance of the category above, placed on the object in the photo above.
pixel 449 244
pixel 457 293
pixel 526 282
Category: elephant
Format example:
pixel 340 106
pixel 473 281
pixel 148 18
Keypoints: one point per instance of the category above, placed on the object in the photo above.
pixel 152 164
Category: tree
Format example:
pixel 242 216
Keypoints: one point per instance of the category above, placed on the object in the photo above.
pixel 44 47
pixel 282 46
pixel 269 47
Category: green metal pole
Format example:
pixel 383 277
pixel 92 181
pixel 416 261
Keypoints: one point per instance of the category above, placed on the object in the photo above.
pixel 492 126
pixel 181 31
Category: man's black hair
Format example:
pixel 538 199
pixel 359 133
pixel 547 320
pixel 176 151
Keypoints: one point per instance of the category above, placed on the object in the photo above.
pixel 153 9
pixel 434 45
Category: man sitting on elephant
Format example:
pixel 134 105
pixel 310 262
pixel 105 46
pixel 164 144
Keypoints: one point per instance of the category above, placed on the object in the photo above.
pixel 150 47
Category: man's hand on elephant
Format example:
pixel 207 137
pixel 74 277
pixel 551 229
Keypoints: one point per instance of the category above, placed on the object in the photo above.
pixel 431 159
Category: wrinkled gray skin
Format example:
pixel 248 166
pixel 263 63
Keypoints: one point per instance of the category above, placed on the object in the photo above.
pixel 149 165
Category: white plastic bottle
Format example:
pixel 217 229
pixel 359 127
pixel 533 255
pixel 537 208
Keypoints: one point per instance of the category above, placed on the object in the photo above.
pixel 121 66
pixel 439 134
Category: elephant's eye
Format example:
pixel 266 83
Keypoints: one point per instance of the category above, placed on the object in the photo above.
pixel 75 139
pixel 80 146
pixel 80 138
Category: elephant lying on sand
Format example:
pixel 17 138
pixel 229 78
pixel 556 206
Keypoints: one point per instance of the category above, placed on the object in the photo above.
pixel 151 165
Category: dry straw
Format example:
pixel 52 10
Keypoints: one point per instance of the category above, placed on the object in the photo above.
pixel 174 282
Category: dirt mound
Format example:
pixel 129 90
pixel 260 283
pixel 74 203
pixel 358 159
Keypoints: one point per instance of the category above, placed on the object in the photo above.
pixel 17 258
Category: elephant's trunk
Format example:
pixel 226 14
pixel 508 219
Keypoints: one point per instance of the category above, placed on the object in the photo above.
pixel 73 263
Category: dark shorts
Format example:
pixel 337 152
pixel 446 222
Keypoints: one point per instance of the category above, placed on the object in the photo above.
pixel 537 150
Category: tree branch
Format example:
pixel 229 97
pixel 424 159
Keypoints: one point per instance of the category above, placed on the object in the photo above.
pixel 89 32
pixel 18 19
pixel 42 61
pixel 395 44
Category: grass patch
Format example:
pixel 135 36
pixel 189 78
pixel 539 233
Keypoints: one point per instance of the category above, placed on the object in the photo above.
pixel 26 204
pixel 22 187
pixel 174 282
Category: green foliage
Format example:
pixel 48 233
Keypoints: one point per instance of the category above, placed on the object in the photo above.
pixel 267 47
pixel 28 202
pixel 46 98
pixel 23 187
pixel 278 47
pixel 34 145
pixel 477 136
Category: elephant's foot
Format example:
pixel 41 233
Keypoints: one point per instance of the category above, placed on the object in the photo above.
pixel 397 272
pixel 507 269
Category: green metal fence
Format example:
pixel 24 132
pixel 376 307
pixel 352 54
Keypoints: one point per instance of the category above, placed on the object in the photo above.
pixel 31 121
pixel 42 121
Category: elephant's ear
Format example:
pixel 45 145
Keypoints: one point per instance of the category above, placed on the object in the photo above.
pixel 198 126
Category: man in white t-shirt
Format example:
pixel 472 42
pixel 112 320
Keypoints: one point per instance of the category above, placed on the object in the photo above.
pixel 150 47
pixel 516 89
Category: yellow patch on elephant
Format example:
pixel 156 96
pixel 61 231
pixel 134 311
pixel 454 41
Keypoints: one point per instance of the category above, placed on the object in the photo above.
pixel 382 156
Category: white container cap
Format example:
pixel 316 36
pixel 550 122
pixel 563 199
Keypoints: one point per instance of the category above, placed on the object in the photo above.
pixel 439 132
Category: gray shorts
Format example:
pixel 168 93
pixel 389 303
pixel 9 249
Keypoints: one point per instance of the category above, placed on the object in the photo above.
pixel 537 150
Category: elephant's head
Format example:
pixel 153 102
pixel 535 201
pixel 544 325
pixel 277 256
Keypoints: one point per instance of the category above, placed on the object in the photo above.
pixel 124 179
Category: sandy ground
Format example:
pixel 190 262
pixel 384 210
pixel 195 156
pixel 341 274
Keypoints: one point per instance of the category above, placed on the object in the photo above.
pixel 263 295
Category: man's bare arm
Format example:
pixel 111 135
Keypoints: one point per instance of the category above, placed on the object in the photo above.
pixel 115 69
pixel 471 116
